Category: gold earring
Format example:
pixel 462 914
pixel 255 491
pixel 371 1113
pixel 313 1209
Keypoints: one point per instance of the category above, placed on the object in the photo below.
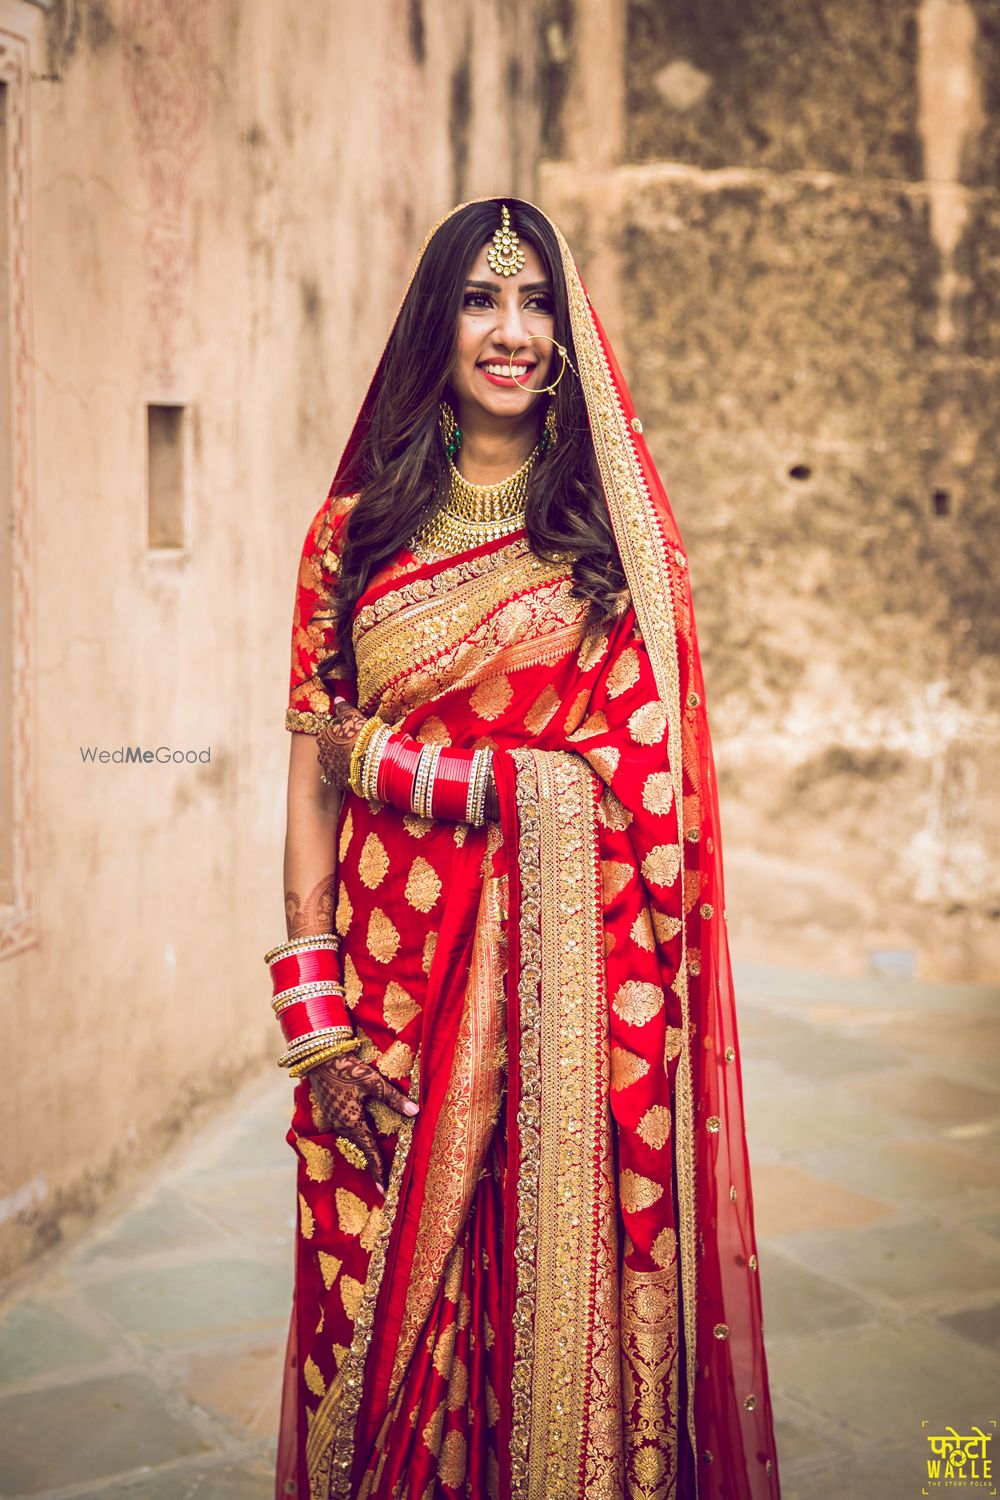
pixel 550 432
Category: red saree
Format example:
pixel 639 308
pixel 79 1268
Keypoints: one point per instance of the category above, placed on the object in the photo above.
pixel 557 1295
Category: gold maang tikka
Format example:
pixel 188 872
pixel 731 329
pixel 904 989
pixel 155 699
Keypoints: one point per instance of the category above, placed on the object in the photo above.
pixel 505 255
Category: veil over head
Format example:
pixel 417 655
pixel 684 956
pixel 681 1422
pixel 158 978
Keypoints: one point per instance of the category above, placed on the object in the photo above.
pixel 730 1443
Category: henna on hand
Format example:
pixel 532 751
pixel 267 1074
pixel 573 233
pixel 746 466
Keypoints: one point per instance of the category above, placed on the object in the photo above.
pixel 315 913
pixel 342 1087
pixel 335 742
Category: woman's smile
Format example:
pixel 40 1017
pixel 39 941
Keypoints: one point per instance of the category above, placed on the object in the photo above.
pixel 497 373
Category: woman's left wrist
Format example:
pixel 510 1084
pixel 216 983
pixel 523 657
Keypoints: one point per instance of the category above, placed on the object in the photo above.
pixel 309 1001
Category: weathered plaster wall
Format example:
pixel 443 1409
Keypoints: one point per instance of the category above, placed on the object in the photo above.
pixel 797 244
pixel 225 200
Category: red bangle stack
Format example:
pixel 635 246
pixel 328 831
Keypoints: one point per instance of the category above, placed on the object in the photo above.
pixel 451 784
pixel 430 781
pixel 309 1001
pixel 397 769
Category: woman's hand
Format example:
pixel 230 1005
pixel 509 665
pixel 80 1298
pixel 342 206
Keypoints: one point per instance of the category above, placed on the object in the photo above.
pixel 335 742
pixel 341 1088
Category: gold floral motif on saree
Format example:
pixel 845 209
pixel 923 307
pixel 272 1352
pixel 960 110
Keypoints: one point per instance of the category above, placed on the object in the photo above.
pixel 542 711
pixel 662 864
pixel 654 1127
pixel 383 936
pixel 611 811
pixel 352 982
pixel 637 1001
pixel 318 1160
pixel 594 645
pixel 423 885
pixel 641 931
pixel 626 1068
pixel 352 1211
pixel 373 865
pixel 658 792
pixel 398 1006
pixel 616 874
pixel 638 1192
pixel 624 674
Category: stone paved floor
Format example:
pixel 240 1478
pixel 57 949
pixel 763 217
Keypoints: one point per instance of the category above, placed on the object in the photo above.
pixel 144 1364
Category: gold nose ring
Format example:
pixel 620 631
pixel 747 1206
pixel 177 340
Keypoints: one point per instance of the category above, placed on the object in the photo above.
pixel 538 390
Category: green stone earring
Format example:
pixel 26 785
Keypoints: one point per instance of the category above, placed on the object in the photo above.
pixel 451 433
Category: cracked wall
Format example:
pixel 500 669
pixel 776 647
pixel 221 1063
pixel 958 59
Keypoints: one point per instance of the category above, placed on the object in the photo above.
pixel 795 236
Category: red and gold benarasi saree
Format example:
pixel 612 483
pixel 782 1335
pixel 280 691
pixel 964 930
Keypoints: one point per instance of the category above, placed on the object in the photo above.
pixel 557 1296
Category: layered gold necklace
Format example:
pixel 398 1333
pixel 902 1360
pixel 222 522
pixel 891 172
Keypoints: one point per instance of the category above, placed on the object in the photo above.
pixel 474 513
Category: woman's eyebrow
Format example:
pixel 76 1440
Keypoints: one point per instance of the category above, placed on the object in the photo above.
pixel 494 286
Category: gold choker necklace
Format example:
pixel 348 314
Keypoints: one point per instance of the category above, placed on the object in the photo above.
pixel 474 513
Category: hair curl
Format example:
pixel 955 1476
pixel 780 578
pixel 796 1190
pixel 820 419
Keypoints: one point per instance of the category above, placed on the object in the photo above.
pixel 400 458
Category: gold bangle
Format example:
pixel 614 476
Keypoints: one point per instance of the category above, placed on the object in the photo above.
pixel 364 734
pixel 322 1037
pixel 326 1054
pixel 477 790
pixel 485 786
pixel 419 789
pixel 328 989
pixel 470 792
pixel 368 775
pixel 312 1039
pixel 323 940
pixel 432 766
pixel 306 992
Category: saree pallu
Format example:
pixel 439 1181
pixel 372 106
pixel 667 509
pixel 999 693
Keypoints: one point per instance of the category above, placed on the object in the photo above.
pixel 534 1307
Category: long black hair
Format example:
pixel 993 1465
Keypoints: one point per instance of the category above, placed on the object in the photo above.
pixel 400 457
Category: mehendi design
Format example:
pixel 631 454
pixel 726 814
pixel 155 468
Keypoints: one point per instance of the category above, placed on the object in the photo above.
pixel 315 913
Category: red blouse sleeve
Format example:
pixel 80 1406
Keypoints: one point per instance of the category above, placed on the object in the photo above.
pixel 310 697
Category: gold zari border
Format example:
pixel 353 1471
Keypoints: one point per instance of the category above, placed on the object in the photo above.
pixel 566 1224
pixel 442 618
pixel 641 545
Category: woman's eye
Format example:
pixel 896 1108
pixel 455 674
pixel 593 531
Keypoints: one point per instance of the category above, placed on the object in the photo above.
pixel 539 302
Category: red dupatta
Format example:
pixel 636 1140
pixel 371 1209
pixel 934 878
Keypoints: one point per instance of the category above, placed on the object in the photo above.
pixel 629 1304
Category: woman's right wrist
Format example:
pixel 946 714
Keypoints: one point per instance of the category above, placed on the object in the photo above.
pixel 430 781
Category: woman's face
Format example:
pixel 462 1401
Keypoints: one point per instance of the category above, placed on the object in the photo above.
pixel 498 315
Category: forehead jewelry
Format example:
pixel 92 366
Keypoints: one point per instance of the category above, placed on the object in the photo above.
pixel 505 255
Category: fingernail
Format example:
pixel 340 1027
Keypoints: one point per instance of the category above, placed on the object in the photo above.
pixel 410 1107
